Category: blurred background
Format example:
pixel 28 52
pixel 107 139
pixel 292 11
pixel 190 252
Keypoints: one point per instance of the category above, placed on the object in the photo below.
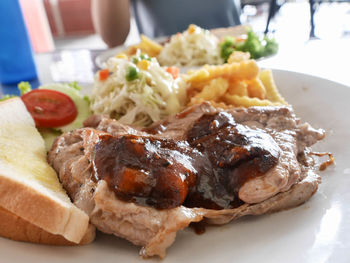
pixel 70 24
pixel 66 45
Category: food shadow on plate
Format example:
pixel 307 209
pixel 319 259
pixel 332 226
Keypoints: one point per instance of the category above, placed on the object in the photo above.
pixel 255 233
pixel 111 241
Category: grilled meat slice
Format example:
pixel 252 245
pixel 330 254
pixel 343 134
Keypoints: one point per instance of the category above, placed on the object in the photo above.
pixel 280 124
pixel 153 229
pixel 286 183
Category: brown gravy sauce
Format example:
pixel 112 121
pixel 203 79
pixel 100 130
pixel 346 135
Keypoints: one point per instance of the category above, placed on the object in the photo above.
pixel 199 227
pixel 204 170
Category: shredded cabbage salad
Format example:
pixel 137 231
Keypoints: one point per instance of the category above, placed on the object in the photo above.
pixel 194 47
pixel 136 91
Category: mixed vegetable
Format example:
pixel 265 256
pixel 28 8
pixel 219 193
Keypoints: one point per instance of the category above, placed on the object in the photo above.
pixel 55 107
pixel 137 91
pixel 132 73
pixel 134 90
pixel 50 108
pixel 256 46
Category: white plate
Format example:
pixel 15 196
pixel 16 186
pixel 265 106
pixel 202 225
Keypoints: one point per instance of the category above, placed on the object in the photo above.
pixel 105 55
pixel 318 231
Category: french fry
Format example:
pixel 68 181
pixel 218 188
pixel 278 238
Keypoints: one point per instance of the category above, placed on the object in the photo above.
pixel 147 46
pixel 199 85
pixel 196 76
pixel 191 93
pixel 238 88
pixel 211 92
pixel 131 50
pixel 218 104
pixel 239 84
pixel 245 101
pixel 256 89
pixel 195 100
pixel 272 93
pixel 238 56
pixel 240 71
pixel 244 70
pixel 215 89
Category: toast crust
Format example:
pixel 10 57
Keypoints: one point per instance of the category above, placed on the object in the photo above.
pixel 28 199
pixel 42 211
pixel 16 228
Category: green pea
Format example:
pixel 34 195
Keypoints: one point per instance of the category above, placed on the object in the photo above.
pixel 135 60
pixel 132 73
pixel 145 56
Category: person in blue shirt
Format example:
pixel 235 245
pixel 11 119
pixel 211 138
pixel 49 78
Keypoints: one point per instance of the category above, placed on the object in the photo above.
pixel 155 18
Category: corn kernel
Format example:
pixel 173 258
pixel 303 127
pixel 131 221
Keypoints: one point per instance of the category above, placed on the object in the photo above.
pixel 191 29
pixel 143 64
pixel 121 55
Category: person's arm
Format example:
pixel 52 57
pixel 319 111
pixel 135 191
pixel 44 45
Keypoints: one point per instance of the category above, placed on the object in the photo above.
pixel 111 20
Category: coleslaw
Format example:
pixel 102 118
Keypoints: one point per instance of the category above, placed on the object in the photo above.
pixel 194 47
pixel 137 91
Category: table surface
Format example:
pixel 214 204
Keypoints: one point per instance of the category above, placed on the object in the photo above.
pixel 61 66
pixel 328 59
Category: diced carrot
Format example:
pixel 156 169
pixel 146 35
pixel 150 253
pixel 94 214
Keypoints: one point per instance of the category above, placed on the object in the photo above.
pixel 103 74
pixel 174 71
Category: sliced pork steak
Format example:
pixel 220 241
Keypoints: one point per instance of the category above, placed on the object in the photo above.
pixel 205 147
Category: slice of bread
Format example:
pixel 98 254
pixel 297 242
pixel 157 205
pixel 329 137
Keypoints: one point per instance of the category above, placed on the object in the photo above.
pixel 29 187
pixel 15 228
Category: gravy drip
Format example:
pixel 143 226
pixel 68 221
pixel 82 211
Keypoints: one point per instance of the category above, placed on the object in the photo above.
pixel 205 170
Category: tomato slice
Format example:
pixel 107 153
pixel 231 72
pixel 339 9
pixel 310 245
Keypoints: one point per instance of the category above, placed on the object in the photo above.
pixel 50 108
